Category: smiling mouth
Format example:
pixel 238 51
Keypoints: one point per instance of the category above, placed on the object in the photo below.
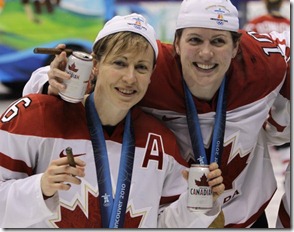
pixel 205 67
pixel 126 91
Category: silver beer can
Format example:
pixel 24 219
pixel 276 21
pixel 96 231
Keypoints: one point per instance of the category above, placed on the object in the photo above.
pixel 200 197
pixel 79 66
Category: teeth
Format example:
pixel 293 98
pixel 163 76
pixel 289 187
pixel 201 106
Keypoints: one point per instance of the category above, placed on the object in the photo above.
pixel 205 66
pixel 125 91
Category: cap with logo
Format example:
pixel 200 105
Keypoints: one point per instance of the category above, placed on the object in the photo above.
pixel 213 14
pixel 135 23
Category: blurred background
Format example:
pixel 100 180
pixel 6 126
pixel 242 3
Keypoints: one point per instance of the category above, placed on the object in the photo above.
pixel 26 24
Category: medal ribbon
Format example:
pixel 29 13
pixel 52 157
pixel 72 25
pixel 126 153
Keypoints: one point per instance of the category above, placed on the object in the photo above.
pixel 112 210
pixel 195 130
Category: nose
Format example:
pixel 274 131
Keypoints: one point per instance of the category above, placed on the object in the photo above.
pixel 130 75
pixel 206 51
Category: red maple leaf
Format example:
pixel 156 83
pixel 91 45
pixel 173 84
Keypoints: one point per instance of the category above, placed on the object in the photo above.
pixel 73 67
pixel 76 218
pixel 202 182
pixel 230 171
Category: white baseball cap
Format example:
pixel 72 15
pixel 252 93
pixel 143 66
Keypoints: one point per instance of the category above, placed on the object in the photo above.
pixel 133 22
pixel 213 14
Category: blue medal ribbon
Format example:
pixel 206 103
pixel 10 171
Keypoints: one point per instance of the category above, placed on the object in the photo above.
pixel 112 210
pixel 195 130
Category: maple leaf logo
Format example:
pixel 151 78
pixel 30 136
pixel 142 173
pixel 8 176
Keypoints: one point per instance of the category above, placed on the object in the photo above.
pixel 72 67
pixel 203 181
pixel 78 218
pixel 231 170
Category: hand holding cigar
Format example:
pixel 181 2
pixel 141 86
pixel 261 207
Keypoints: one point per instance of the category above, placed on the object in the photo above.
pixel 70 157
pixel 52 51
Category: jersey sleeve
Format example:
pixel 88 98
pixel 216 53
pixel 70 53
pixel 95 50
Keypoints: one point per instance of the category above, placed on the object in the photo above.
pixel 25 195
pixel 36 82
pixel 21 201
pixel 278 125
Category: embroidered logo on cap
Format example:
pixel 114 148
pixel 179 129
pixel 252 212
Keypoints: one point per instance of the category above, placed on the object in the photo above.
pixel 137 24
pixel 220 11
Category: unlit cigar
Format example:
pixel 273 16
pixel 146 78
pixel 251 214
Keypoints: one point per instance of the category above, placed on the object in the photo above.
pixel 52 51
pixel 70 157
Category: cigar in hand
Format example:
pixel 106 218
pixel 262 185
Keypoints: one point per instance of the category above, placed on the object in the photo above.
pixel 52 51
pixel 70 157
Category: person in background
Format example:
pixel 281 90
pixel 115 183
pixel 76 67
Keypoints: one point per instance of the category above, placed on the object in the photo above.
pixel 228 81
pixel 127 170
pixel 272 21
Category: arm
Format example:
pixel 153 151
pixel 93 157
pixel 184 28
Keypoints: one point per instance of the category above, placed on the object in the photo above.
pixel 37 81
pixel 51 77
pixel 21 201
pixel 29 180
pixel 29 198
pixel 278 125
pixel 42 76
pixel 278 131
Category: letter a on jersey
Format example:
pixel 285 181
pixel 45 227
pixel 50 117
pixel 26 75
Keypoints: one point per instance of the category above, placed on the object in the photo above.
pixel 154 150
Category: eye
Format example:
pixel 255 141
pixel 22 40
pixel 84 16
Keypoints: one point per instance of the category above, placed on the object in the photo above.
pixel 194 41
pixel 218 42
pixel 141 68
pixel 120 63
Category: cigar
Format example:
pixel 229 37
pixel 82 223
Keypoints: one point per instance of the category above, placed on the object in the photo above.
pixel 52 51
pixel 70 157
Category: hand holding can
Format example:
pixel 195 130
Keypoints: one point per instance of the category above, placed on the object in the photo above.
pixel 200 196
pixel 79 66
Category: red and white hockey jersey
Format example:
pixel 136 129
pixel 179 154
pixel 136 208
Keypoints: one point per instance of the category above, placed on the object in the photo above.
pixel 37 128
pixel 256 81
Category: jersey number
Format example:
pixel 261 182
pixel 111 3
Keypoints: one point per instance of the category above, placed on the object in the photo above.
pixel 12 111
pixel 267 50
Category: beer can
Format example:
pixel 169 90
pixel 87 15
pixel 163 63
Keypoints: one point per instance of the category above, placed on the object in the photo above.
pixel 79 66
pixel 200 196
